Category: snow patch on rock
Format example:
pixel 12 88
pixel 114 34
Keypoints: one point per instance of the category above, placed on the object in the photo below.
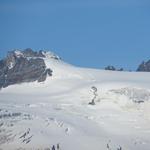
pixel 49 54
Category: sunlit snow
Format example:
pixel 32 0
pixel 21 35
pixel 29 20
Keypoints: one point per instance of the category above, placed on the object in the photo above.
pixel 57 111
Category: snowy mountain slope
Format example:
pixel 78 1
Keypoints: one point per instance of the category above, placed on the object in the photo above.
pixel 57 111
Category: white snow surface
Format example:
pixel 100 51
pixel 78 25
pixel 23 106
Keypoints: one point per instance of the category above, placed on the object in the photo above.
pixel 36 116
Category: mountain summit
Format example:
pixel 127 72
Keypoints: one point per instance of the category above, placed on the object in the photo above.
pixel 25 66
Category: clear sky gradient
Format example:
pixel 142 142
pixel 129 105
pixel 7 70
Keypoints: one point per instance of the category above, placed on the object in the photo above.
pixel 88 33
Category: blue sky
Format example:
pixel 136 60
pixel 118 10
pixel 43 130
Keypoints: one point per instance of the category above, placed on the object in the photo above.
pixel 88 33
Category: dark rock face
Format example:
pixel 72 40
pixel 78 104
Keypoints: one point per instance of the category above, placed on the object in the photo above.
pixel 112 68
pixel 44 75
pixel 26 66
pixel 30 53
pixel 144 66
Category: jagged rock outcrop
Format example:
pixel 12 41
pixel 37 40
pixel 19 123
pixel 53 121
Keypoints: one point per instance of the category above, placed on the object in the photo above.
pixel 144 66
pixel 112 68
pixel 30 53
pixel 23 66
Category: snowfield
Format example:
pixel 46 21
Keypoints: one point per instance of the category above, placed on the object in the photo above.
pixel 56 113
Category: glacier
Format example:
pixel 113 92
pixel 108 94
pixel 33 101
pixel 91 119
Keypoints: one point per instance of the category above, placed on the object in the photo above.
pixel 56 112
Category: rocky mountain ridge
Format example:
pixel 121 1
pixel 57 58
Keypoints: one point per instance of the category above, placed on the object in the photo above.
pixel 29 66
pixel 24 66
pixel 144 66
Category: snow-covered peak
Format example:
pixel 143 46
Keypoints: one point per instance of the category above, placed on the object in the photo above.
pixel 49 54
pixel 31 53
pixel 18 53
pixel 23 66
